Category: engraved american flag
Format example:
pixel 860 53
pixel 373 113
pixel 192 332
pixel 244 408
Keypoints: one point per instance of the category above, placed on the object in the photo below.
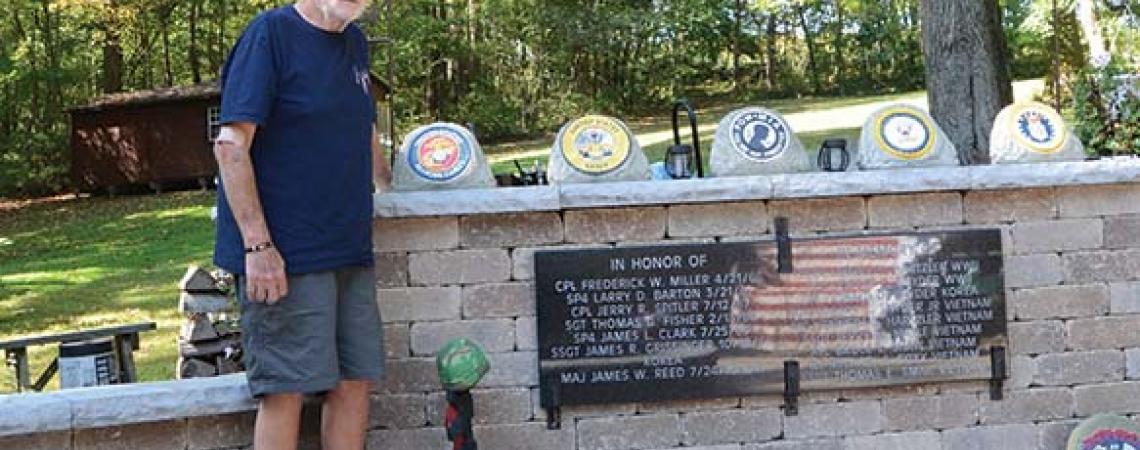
pixel 837 297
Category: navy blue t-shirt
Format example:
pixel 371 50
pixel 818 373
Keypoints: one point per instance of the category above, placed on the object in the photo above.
pixel 308 91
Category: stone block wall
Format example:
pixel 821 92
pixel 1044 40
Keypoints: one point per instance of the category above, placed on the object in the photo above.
pixel 1073 289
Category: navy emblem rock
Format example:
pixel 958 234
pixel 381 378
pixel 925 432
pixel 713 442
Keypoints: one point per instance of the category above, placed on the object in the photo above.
pixel 903 135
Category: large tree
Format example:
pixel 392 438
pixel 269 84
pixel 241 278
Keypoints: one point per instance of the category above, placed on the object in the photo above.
pixel 967 71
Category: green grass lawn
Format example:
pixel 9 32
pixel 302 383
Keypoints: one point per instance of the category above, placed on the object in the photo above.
pixel 75 264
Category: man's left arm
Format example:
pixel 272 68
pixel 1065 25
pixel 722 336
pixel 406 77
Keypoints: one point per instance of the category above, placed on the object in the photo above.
pixel 381 170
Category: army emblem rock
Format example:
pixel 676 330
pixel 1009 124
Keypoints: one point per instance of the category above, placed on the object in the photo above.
pixel 596 148
pixel 595 144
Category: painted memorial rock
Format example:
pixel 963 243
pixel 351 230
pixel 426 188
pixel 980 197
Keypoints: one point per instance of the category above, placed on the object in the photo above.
pixel 1032 132
pixel 755 141
pixel 902 135
pixel 597 148
pixel 1105 432
pixel 441 156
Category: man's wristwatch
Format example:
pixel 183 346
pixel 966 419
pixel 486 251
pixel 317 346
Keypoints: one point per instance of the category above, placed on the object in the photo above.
pixel 259 247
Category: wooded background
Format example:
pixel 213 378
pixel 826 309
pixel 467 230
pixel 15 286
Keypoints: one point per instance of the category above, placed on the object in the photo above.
pixel 513 67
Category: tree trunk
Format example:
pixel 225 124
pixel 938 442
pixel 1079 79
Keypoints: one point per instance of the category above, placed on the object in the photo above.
pixel 840 51
pixel 811 50
pixel 967 73
pixel 1055 83
pixel 112 56
pixel 192 51
pixel 771 68
pixel 737 16
pixel 166 66
pixel 1086 16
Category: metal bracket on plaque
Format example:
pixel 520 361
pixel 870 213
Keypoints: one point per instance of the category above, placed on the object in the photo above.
pixel 551 401
pixel 783 246
pixel 791 388
pixel 998 369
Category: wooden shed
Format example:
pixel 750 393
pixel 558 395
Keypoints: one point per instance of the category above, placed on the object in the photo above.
pixel 154 137
pixel 158 137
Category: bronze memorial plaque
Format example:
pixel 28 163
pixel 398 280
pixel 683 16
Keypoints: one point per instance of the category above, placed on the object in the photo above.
pixel 710 320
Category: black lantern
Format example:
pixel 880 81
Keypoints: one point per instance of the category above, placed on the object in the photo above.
pixel 833 155
pixel 679 158
pixel 678 161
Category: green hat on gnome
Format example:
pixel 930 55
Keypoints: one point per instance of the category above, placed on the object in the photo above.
pixel 461 365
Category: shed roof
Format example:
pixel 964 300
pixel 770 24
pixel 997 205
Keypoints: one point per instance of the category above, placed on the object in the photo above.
pixel 152 96
pixel 178 93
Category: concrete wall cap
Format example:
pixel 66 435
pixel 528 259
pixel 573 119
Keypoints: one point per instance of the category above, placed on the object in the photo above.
pixel 729 189
pixel 124 404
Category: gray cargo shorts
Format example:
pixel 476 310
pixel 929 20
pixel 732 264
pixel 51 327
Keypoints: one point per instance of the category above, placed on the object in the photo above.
pixel 326 330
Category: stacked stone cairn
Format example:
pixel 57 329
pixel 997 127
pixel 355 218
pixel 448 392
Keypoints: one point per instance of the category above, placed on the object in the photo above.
pixel 210 341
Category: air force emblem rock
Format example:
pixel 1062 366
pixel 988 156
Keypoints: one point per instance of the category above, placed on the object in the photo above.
pixel 1032 132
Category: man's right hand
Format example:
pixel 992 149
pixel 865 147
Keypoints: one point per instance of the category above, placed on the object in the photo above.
pixel 265 276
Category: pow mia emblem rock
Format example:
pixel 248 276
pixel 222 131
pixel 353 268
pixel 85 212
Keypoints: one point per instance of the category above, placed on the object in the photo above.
pixel 756 141
pixel 596 148
pixel 759 136
pixel 441 156
pixel 1105 432
pixel 902 135
pixel 1030 132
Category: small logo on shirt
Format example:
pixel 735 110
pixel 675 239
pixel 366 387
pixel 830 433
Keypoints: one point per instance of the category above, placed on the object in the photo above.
pixel 361 78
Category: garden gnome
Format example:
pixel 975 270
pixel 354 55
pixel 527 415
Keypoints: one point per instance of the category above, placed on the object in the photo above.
pixel 461 364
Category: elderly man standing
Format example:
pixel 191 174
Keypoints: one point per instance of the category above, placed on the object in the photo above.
pixel 298 155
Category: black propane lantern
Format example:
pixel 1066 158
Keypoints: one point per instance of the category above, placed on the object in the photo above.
pixel 680 158
pixel 833 155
